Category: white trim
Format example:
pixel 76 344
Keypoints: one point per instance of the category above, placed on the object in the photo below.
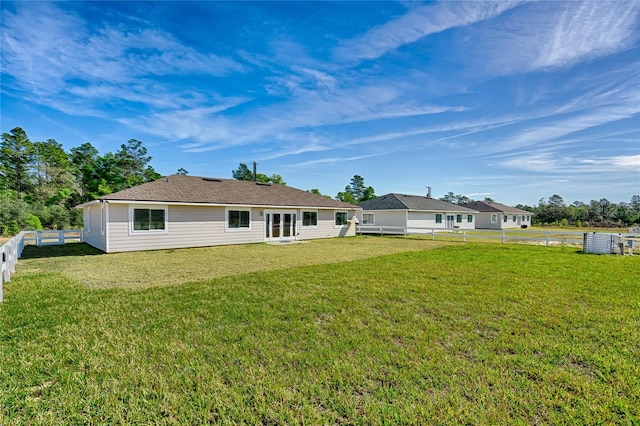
pixel 106 227
pixel 335 216
pixel 248 206
pixel 103 219
pixel 373 218
pixel 164 207
pixel 87 220
pixel 302 212
pixel 226 219
pixel 295 228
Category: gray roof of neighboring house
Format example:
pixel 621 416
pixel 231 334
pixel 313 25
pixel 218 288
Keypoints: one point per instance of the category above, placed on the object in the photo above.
pixel 493 207
pixel 412 202
pixel 194 189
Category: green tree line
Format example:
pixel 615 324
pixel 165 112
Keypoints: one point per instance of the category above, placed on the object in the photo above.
pixel 554 211
pixel 599 213
pixel 41 183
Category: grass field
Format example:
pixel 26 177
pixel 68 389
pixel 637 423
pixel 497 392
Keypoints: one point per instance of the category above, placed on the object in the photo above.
pixel 447 333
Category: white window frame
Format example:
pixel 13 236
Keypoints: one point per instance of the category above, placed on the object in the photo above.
pixel 133 207
pixel 103 219
pixel 309 211
pixel 87 220
pixel 335 219
pixel 373 218
pixel 494 218
pixel 226 219
pixel 469 218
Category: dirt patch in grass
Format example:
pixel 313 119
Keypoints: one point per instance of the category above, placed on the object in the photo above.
pixel 136 270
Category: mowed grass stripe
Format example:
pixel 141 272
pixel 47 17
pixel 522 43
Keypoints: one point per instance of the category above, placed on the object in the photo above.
pixel 136 270
pixel 481 334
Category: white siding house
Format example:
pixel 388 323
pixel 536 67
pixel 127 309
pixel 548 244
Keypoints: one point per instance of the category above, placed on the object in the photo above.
pixel 416 213
pixel 492 215
pixel 188 211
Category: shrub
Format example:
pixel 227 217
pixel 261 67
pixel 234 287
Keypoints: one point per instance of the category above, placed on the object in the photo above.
pixel 33 222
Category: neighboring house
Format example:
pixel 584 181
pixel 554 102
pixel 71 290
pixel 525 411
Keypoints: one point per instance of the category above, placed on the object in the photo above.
pixel 418 213
pixel 498 216
pixel 187 211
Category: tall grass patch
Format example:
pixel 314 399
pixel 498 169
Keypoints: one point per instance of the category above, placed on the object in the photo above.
pixel 480 334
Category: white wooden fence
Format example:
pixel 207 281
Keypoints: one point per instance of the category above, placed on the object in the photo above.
pixel 546 237
pixel 11 251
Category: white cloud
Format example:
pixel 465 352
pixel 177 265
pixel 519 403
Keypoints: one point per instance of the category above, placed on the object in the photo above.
pixel 333 160
pixel 549 161
pixel 52 54
pixel 418 23
pixel 546 35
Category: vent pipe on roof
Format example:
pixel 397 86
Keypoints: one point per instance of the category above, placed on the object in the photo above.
pixel 428 192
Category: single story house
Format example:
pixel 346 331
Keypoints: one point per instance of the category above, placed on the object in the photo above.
pixel 494 215
pixel 417 213
pixel 188 211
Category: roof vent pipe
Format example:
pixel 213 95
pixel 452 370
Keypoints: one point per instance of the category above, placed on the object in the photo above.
pixel 428 192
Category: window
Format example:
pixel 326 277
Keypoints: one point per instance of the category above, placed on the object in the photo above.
pixel 494 218
pixel 341 218
pixel 515 218
pixel 103 219
pixel 238 219
pixel 368 218
pixel 469 218
pixel 505 218
pixel 438 218
pixel 149 219
pixel 309 218
pixel 458 218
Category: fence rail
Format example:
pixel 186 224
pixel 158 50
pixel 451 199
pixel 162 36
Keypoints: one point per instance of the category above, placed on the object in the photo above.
pixel 505 235
pixel 11 251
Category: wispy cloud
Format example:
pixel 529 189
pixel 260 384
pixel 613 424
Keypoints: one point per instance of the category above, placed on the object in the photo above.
pixel 548 35
pixel 333 160
pixel 419 22
pixel 66 59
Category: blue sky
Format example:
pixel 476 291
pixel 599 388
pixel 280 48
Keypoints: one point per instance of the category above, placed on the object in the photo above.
pixel 512 100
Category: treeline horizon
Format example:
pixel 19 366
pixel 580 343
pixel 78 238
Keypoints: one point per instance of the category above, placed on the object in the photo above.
pixel 41 184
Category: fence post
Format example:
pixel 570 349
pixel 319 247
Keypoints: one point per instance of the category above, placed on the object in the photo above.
pixel 464 235
pixel 503 235
pixel 547 243
pixel 433 234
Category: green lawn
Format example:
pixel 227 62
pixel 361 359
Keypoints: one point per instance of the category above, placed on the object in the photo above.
pixel 454 334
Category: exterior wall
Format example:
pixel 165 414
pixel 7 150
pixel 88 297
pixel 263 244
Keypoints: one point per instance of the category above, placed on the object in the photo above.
pixel 484 220
pixel 417 219
pixel 188 226
pixel 93 232
pixel 428 220
pixel 326 225
pixel 195 226
pixel 386 217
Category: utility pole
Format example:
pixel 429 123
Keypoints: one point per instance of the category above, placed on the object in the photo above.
pixel 255 171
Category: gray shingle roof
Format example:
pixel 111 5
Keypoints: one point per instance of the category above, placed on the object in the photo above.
pixel 493 207
pixel 194 189
pixel 411 202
